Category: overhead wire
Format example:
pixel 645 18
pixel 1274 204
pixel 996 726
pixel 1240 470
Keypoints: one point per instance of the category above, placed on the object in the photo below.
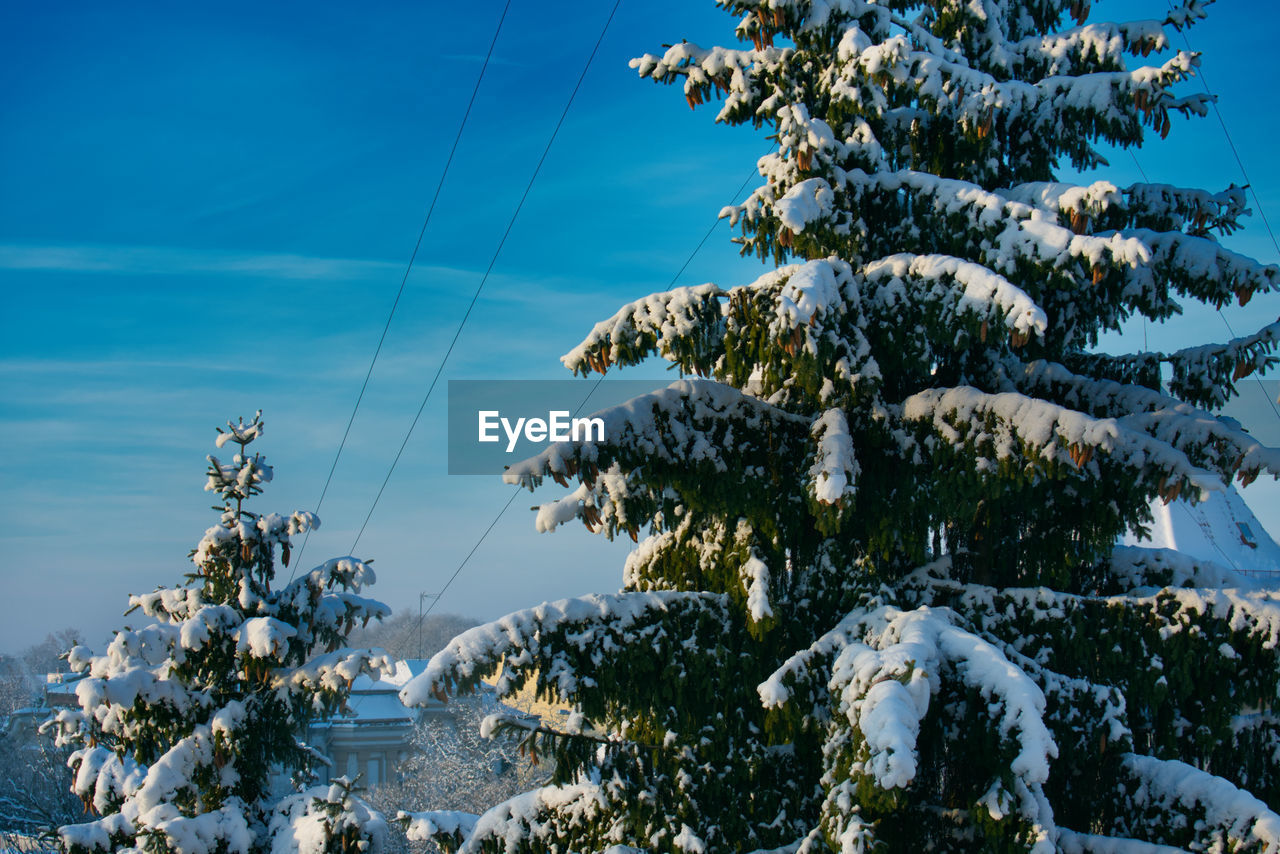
pixel 462 564
pixel 1235 152
pixel 515 492
pixel 1143 173
pixel 492 261
pixel 1248 184
pixel 405 278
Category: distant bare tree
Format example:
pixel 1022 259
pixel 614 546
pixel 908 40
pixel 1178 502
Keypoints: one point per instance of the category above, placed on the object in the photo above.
pixel 404 636
pixel 22 676
pixel 35 783
pixel 35 788
pixel 47 656
pixel 18 687
pixel 451 767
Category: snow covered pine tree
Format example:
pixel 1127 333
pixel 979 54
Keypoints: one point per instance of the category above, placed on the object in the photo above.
pixel 184 724
pixel 881 607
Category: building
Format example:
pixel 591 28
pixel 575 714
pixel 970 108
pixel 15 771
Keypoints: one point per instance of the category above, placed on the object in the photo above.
pixel 1222 530
pixel 373 737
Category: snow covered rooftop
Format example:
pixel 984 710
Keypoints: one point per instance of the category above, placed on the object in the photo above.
pixel 377 701
pixel 1222 529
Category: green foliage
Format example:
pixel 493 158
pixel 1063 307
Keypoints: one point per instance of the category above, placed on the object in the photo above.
pixel 880 606
pixel 187 726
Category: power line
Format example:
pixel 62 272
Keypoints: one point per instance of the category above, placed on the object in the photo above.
pixel 1213 101
pixel 405 279
pixel 1143 173
pixel 1232 333
pixel 1257 200
pixel 580 406
pixel 487 272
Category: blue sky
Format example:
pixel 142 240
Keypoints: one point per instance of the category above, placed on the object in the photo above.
pixel 208 210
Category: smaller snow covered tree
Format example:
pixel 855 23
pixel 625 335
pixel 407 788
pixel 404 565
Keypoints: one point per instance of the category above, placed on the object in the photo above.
pixel 184 725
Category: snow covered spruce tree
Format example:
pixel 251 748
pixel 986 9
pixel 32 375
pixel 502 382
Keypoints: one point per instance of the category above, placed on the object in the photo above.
pixel 880 606
pixel 185 727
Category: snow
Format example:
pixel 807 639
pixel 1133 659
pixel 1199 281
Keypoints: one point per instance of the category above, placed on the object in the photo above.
pixel 809 290
pixel 984 291
pixel 512 822
pixel 1241 817
pixel 757 574
pixel 224 829
pixel 424 825
pixel 1148 567
pixel 306 822
pixel 662 317
pixel 1210 532
pixel 806 202
pixel 1047 431
pixel 835 468
pixel 1220 442
pixel 687 840
pixel 886 667
pixel 1072 842
pixel 264 637
pixel 600 621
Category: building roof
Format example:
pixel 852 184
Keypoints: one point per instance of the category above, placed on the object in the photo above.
pixel 377 701
pixel 1221 529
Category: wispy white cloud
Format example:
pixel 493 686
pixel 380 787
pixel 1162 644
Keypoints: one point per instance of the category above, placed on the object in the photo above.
pixel 28 366
pixel 145 260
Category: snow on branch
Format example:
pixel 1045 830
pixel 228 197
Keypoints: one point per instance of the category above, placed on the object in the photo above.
pixel 1203 376
pixel 1014 430
pixel 144 798
pixel 1246 614
pixel 539 819
pixel 1083 49
pixel 1208 374
pixel 799 332
pixel 739 75
pixel 802 672
pixel 886 666
pixel 1072 203
pixel 323 819
pixel 1216 814
pixel 1208 440
pixel 332 673
pixel 1162 207
pixel 1074 842
pixel 680 325
pixel 559 644
pixel 1184 661
pixel 884 686
pixel 812 312
pixel 1101 206
pixel 1199 268
pixel 834 474
pixel 1105 103
pixel 966 288
pixel 1008 237
pixel 690 434
pixel 1186 13
pixel 733 559
pixel 1131 568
